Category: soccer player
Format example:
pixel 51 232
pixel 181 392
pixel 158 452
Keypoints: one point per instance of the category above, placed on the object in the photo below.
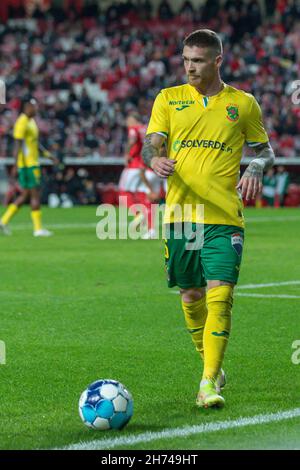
pixel 26 154
pixel 131 175
pixel 205 124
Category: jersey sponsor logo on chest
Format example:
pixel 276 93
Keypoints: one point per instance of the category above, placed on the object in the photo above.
pixel 200 143
pixel 181 104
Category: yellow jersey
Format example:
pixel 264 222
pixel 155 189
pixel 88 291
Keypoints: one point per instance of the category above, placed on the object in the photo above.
pixel 26 129
pixel 206 135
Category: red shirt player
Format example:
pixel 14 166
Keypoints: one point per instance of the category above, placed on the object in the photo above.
pixel 131 175
pixel 136 135
pixel 138 183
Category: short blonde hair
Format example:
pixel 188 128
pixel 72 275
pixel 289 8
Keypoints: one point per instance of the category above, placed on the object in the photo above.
pixel 204 38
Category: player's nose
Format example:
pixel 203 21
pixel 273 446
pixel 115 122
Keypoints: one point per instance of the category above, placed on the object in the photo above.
pixel 190 67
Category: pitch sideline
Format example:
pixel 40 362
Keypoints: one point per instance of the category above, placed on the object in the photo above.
pixel 268 296
pixel 260 286
pixel 183 432
pixel 26 225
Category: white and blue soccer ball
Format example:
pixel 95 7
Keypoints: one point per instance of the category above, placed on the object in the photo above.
pixel 106 404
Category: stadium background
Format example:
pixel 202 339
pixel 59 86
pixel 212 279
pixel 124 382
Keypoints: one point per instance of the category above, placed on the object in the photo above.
pixel 76 308
pixel 89 63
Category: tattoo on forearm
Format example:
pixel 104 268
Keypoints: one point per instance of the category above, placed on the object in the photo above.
pixel 265 160
pixel 254 170
pixel 265 156
pixel 260 147
pixel 149 150
pixel 163 150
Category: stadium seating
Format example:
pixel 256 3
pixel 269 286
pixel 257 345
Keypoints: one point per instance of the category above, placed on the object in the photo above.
pixel 88 67
pixel 293 196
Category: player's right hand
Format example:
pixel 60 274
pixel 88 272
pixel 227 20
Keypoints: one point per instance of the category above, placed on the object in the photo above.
pixel 163 166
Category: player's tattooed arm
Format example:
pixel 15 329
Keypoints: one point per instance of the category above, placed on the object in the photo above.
pixel 151 147
pixel 265 160
pixel 155 157
pixel 251 182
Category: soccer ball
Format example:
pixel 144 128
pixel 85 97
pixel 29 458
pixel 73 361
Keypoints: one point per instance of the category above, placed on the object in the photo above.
pixel 106 404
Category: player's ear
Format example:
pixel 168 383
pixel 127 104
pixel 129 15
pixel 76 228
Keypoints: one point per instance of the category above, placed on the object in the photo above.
pixel 219 60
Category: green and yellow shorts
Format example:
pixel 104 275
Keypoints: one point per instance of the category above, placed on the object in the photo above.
pixel 214 254
pixel 29 177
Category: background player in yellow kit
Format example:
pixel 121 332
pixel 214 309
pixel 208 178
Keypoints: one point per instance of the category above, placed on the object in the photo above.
pixel 205 124
pixel 26 154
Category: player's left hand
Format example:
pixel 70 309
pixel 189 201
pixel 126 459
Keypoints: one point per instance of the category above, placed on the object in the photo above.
pixel 55 161
pixel 153 197
pixel 250 186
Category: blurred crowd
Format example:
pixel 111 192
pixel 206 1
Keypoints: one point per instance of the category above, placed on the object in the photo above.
pixel 63 187
pixel 68 188
pixel 275 187
pixel 89 67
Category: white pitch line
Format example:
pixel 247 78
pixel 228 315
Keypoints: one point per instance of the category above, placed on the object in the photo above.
pixel 268 296
pixel 289 218
pixel 54 226
pixel 271 284
pixel 260 296
pixel 183 432
pixel 260 286
pixel 24 226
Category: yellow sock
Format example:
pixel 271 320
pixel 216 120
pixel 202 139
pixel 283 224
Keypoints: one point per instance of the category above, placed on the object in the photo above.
pixel 195 315
pixel 36 219
pixel 9 213
pixel 217 329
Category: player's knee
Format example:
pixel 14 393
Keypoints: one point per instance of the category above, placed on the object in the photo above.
pixel 22 198
pixel 212 284
pixel 192 295
pixel 35 203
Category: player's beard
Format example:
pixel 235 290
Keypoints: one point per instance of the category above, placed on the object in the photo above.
pixel 197 81
pixel 201 81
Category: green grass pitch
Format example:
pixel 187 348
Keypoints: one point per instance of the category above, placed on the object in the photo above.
pixel 75 309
